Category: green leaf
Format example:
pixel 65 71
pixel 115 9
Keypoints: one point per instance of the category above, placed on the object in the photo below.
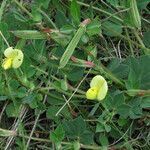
pixel 61 39
pixel 75 74
pixel 67 29
pixel 94 28
pixel 118 99
pixel 75 11
pixel 115 133
pixel 93 51
pixel 36 15
pixel 123 110
pixel 133 109
pixel 139 75
pixel 32 100
pixel 21 92
pixel 115 100
pixel 146 39
pixel 100 127
pixel 142 4
pixel 111 29
pixel 134 15
pixel 60 18
pixel 29 34
pixel 122 122
pixel 135 103
pixel 3 98
pixel 107 128
pixel 64 85
pixel 114 3
pixel 75 127
pixel 119 68
pixel 2 8
pixel 87 137
pixel 71 47
pixel 55 98
pixel 145 102
pixel 76 145
pixel 85 38
pixel 103 140
pixel 42 3
pixel 45 3
pixel 13 111
pixel 20 44
pixel 52 110
pixel 4 29
pixel 58 134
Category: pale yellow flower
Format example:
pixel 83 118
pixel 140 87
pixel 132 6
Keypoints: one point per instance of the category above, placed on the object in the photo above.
pixel 14 58
pixel 98 88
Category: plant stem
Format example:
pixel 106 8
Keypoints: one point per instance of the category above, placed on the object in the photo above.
pixel 4 39
pixel 130 45
pixel 139 39
pixel 35 124
pixel 92 147
pixel 62 91
pixel 146 50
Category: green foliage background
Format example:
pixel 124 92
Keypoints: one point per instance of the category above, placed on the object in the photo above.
pixel 62 53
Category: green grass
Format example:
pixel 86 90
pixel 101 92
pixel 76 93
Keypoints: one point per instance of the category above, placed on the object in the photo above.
pixel 65 44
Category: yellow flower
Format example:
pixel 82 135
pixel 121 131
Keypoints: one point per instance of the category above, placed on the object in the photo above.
pixel 14 58
pixel 98 88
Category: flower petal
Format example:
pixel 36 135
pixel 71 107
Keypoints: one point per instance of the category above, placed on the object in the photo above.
pixel 97 81
pixel 92 93
pixel 102 91
pixel 18 59
pixel 7 63
pixel 9 52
